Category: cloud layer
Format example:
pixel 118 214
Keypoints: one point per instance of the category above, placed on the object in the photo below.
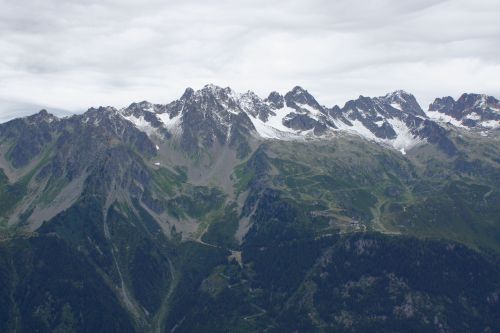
pixel 70 55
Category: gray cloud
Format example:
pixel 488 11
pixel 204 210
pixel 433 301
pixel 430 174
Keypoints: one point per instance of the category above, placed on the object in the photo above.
pixel 70 55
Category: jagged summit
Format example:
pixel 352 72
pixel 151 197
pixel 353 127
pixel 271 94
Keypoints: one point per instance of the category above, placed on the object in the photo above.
pixel 42 115
pixel 275 100
pixel 214 90
pixel 298 97
pixel 404 101
pixel 299 94
pixel 398 94
pixel 469 111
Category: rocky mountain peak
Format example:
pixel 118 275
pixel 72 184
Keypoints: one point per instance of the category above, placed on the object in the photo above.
pixel 442 104
pixel 187 93
pixel 253 105
pixel 403 101
pixel 298 91
pixel 144 105
pixel 470 110
pixel 99 113
pixel 298 96
pixel 102 109
pixel 481 101
pixel 42 116
pixel 209 92
pixel 211 98
pixel 398 94
pixel 275 100
pixel 43 113
pixel 395 119
pixel 212 90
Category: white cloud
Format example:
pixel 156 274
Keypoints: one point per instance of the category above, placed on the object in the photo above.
pixel 75 54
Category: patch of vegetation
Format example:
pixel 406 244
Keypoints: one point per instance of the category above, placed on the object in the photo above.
pixel 199 201
pixel 222 229
pixel 168 181
pixel 243 176
pixel 10 194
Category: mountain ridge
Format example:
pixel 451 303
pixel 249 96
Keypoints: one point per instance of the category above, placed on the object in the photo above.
pixel 395 119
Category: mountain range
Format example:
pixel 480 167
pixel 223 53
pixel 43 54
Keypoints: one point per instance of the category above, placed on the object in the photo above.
pixel 396 119
pixel 223 211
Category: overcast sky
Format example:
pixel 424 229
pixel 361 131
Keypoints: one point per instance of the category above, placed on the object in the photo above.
pixel 73 54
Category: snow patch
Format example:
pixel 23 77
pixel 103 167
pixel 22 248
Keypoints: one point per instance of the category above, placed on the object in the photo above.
pixel 141 124
pixel 490 124
pixel 404 139
pixel 473 116
pixel 444 118
pixel 246 101
pixel 276 120
pixel 173 125
pixel 482 103
pixel 267 131
pixel 315 113
pixel 273 128
pixel 356 128
pixel 397 106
